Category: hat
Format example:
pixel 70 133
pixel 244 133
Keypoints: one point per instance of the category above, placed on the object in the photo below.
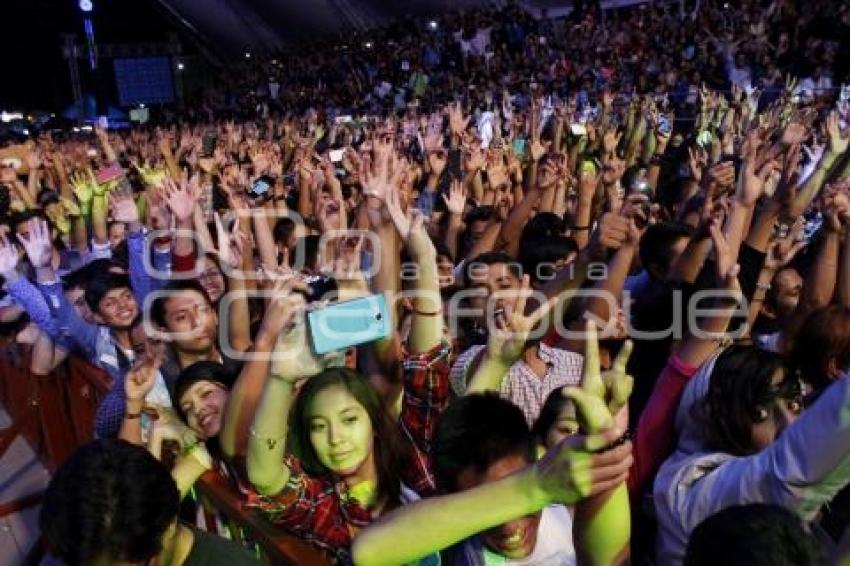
pixel 201 371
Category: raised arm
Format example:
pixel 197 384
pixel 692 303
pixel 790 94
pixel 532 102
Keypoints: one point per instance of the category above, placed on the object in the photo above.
pixel 293 362
pixel 568 473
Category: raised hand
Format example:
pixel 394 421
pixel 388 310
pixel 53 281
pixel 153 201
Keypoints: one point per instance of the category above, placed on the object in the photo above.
pixel 37 243
pixel 123 207
pixel 837 141
pixel 601 397
pixel 507 340
pixel 782 252
pixel 230 246
pixel 293 358
pixel 724 262
pixel 139 382
pixel 181 198
pixel 456 200
pixel 8 258
pixel 457 121
pixel 397 215
pixel 83 186
pixel 283 303
pixel 610 139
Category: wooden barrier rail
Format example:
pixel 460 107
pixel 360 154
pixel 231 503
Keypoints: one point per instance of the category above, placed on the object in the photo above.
pixel 55 413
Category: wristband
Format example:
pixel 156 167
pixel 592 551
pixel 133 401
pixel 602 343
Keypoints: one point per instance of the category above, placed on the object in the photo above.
pixel 131 416
pixel 763 286
pixel 580 228
pixel 625 437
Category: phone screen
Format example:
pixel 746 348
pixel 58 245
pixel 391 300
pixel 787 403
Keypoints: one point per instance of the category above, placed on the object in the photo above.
pixel 336 155
pixel 261 187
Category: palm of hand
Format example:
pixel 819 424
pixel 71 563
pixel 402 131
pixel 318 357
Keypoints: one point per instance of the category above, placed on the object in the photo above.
pixel 124 210
pixel 84 191
pixel 8 257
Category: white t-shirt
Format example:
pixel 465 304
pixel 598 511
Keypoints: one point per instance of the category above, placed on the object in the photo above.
pixel 554 546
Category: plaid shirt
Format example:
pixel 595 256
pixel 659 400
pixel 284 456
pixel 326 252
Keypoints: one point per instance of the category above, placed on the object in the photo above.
pixel 523 387
pixel 320 509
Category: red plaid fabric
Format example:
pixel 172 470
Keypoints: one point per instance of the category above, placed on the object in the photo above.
pixel 426 395
pixel 316 509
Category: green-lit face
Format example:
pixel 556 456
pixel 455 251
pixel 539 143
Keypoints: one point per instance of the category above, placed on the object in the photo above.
pixel 340 431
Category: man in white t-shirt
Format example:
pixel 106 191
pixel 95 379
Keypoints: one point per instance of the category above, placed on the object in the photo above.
pixel 481 439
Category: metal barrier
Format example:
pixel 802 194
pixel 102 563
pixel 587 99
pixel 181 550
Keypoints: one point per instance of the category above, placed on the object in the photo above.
pixel 55 414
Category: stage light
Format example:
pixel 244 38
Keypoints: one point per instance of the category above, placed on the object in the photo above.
pixel 142 105
pixel 247 54
pixel 432 24
pixel 86 5
pixel 368 45
pixel 180 66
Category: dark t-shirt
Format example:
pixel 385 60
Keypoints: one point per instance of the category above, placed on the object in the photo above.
pixel 211 550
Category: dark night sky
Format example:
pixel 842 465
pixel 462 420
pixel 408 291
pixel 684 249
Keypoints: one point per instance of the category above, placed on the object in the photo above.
pixel 35 76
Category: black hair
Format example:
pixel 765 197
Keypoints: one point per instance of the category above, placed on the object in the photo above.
pixel 200 371
pixel 554 406
pixel 741 381
pixel 474 432
pixel 656 244
pixel 311 250
pixel 18 218
pixel 80 277
pixel 283 229
pixel 490 258
pixel 538 255
pixel 46 197
pixel 480 214
pixel 388 449
pixel 158 305
pixel 543 225
pixel 110 500
pixel 757 534
pixel 98 286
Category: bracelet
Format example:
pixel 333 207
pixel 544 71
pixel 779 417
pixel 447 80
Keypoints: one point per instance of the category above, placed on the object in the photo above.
pixel 271 441
pixel 427 313
pixel 625 437
pixel 763 286
pixel 130 416
pixel 580 228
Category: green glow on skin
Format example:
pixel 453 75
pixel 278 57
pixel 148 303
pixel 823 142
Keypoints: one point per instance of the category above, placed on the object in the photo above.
pixel 342 436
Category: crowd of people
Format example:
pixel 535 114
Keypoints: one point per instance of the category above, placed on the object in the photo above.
pixel 496 290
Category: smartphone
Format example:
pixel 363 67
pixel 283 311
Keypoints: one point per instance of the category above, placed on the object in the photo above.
pixel 343 119
pixel 664 125
pixel 336 155
pixel 208 144
pixel 349 323
pixel 261 187
pixel 578 129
